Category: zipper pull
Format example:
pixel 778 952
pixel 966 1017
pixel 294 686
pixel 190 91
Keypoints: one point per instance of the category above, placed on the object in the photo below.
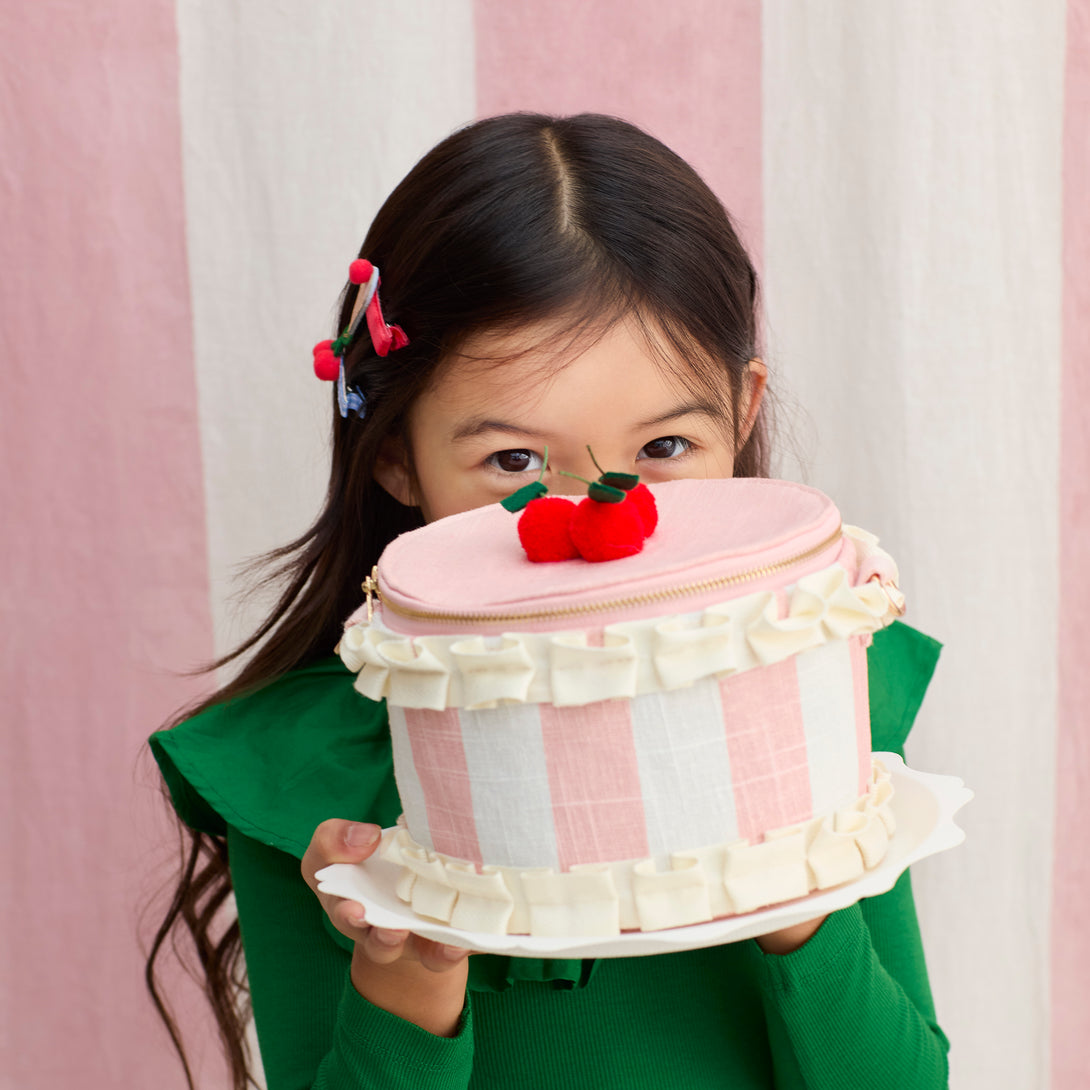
pixel 893 593
pixel 370 588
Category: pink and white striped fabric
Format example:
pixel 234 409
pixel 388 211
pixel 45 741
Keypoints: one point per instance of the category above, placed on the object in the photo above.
pixel 182 184
pixel 533 785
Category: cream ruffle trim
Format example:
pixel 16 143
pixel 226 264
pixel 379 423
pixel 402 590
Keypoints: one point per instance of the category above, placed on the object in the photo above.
pixel 651 655
pixel 599 899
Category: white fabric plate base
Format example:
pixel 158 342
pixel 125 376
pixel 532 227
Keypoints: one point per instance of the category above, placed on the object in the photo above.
pixel 923 803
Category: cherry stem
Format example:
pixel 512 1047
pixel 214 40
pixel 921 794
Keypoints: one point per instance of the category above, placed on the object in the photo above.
pixel 574 476
pixel 544 466
pixel 595 461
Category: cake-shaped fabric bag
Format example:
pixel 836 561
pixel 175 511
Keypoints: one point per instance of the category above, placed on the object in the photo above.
pixel 682 734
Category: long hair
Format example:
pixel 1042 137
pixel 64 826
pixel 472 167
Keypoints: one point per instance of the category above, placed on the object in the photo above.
pixel 508 222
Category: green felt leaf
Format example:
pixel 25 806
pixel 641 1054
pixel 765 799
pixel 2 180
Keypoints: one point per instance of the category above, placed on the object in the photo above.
pixel 521 497
pixel 604 493
pixel 624 481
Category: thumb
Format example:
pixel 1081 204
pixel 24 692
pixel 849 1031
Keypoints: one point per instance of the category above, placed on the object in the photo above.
pixel 338 841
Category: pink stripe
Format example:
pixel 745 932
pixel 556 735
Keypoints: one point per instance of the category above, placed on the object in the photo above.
pixel 105 580
pixel 688 71
pixel 766 742
pixel 440 760
pixel 594 781
pixel 1071 876
pixel 858 651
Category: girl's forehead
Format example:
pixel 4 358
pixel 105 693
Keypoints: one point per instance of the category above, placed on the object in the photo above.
pixel 548 372
pixel 544 349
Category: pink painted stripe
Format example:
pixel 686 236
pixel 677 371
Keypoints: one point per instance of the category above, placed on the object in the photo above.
pixel 688 71
pixel 766 742
pixel 440 760
pixel 594 781
pixel 105 580
pixel 1071 874
pixel 861 693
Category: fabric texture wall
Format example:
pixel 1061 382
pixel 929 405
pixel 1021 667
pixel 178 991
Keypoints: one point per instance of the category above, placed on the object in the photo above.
pixel 182 185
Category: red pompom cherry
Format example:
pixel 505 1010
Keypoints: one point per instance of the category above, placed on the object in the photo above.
pixel 326 366
pixel 607 531
pixel 359 272
pixel 644 502
pixel 544 529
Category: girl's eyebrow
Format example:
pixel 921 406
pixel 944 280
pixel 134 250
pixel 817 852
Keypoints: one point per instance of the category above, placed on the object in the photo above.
pixel 700 406
pixel 478 426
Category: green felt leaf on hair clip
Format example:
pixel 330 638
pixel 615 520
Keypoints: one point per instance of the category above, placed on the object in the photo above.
pixel 340 345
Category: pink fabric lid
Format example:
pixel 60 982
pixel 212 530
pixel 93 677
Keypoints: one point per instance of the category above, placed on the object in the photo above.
pixel 472 563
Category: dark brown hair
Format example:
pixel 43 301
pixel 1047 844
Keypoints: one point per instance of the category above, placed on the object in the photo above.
pixel 508 222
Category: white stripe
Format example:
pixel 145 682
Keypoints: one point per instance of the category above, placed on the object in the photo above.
pixel 828 720
pixel 912 166
pixel 512 806
pixel 297 121
pixel 408 783
pixel 684 766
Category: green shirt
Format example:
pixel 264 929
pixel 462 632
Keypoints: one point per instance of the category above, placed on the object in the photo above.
pixel 850 1008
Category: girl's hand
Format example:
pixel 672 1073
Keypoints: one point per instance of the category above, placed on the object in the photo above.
pixel 415 978
pixel 790 938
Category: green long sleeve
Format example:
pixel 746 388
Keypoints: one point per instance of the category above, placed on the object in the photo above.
pixel 851 1009
pixel 314 1029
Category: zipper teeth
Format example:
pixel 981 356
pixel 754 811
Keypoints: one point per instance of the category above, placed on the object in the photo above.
pixel 665 594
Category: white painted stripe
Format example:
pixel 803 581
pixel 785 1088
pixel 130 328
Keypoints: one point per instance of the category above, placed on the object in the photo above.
pixel 408 783
pixel 297 121
pixel 681 750
pixel 512 806
pixel 828 719
pixel 913 258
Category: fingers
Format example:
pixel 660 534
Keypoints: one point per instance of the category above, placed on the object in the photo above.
pixel 350 919
pixel 338 841
pixel 437 956
pixel 383 946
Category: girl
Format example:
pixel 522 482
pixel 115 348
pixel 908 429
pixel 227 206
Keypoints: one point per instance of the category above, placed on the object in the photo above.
pixel 559 282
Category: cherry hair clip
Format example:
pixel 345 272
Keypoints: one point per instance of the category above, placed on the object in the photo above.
pixel 329 354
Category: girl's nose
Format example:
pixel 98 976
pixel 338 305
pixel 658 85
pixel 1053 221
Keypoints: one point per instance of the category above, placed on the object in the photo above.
pixel 582 466
pixel 566 486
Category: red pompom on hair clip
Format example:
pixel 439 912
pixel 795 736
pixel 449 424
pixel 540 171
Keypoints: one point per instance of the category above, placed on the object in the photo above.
pixel 359 272
pixel 326 364
pixel 384 337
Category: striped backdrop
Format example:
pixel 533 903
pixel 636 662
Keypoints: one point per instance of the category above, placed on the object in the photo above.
pixel 182 183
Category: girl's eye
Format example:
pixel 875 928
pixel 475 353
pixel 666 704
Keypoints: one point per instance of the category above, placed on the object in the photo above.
pixel 515 461
pixel 669 446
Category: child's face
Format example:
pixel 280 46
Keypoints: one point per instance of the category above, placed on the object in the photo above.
pixel 480 431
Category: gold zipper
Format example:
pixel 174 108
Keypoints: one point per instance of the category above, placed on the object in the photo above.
pixel 371 589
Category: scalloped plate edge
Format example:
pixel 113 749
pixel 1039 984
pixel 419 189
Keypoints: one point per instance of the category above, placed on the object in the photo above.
pixel 924 804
